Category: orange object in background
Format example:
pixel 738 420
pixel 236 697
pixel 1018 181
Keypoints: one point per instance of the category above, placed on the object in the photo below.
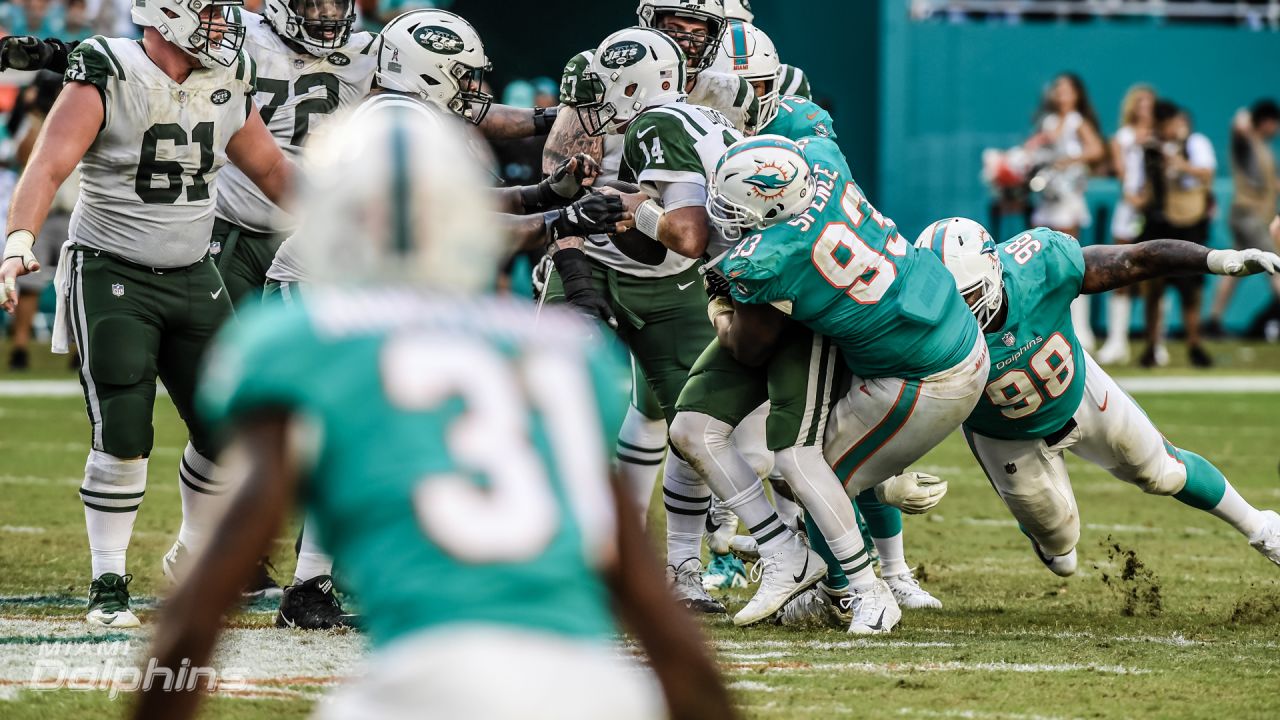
pixel 8 97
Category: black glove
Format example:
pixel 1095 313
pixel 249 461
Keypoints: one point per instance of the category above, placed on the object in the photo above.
pixel 575 274
pixel 543 119
pixel 594 214
pixel 715 284
pixel 561 186
pixel 25 52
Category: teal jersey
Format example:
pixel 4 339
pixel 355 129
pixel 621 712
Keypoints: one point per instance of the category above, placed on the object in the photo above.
pixel 458 472
pixel 1037 364
pixel 842 270
pixel 800 118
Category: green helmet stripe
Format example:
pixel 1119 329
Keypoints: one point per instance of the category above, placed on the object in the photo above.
pixel 680 72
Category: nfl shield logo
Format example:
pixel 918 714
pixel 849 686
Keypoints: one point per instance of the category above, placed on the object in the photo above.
pixel 1008 339
pixel 215 247
pixel 117 289
pixel 298 63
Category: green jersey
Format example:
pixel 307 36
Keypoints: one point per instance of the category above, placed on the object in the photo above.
pixel 842 270
pixel 459 463
pixel 1037 365
pixel 800 118
pixel 793 81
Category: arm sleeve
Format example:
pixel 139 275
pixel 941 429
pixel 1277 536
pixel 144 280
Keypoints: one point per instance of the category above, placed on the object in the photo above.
pixel 676 195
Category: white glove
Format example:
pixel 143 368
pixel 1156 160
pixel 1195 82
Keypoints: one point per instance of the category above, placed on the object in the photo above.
pixel 912 492
pixel 1243 262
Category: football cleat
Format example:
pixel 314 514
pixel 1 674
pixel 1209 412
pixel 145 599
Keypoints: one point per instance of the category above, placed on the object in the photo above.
pixel 907 591
pixel 722 526
pixel 174 565
pixel 819 605
pixel 685 582
pixel 109 602
pixel 874 610
pixel 1267 539
pixel 745 548
pixel 262 586
pixel 724 571
pixel 782 576
pixel 1060 565
pixel 311 605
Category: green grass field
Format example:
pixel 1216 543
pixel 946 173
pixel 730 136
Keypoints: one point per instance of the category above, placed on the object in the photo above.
pixel 1172 614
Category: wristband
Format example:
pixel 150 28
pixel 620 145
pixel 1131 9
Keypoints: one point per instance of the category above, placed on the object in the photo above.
pixel 717 307
pixel 534 198
pixel 543 119
pixel 1217 261
pixel 648 215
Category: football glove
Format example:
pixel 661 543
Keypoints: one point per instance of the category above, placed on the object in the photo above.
pixel 580 292
pixel 1243 262
pixel 715 284
pixel 25 52
pixel 594 214
pixel 563 184
pixel 912 492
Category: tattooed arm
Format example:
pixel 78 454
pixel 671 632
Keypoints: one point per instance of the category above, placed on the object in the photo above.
pixel 504 122
pixel 1107 267
pixel 568 138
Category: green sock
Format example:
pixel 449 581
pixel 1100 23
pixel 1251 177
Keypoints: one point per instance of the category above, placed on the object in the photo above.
pixel 1205 483
pixel 883 521
pixel 836 579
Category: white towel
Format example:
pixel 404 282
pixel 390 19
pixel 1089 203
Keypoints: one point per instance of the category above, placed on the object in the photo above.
pixel 62 283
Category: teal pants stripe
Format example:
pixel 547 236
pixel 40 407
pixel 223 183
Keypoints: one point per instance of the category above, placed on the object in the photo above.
pixel 881 434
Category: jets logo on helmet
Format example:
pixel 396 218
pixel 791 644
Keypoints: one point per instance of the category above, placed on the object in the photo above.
pixel 759 182
pixel 439 39
pixel 623 54
pixel 772 180
pixel 969 253
pixel 739 10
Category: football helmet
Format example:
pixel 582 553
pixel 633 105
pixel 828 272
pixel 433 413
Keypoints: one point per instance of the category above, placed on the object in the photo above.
pixel 394 195
pixel 699 48
pixel 746 51
pixel 969 252
pixel 760 182
pixel 203 29
pixel 437 56
pixel 739 10
pixel 319 26
pixel 633 69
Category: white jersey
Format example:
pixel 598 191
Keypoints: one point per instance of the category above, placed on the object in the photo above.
pixel 296 92
pixel 731 94
pixel 149 181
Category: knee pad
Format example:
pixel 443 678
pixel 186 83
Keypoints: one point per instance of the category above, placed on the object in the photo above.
pixel 750 439
pixel 112 484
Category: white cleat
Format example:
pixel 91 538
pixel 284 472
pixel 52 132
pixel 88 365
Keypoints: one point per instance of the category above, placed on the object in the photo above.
pixel 685 582
pixel 117 619
pixel 818 606
pixel 722 526
pixel 745 548
pixel 1060 565
pixel 907 591
pixel 1113 353
pixel 175 563
pixel 874 610
pixel 782 576
pixel 1267 539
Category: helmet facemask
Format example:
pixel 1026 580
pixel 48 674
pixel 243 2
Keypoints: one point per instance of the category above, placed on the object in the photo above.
pixel 319 26
pixel 470 102
pixel 216 39
pixel 703 45
pixel 986 296
pixel 603 117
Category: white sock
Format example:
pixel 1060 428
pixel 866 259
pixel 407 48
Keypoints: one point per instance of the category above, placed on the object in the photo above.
pixel 852 555
pixel 641 445
pixel 1239 513
pixel 112 493
pixel 893 558
pixel 753 508
pixel 686 499
pixel 818 489
pixel 1118 314
pixel 312 560
pixel 789 512
pixel 202 499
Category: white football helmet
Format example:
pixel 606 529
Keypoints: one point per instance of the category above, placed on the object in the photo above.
pixel 437 56
pixel 393 195
pixel 203 29
pixel 969 252
pixel 760 182
pixel 739 10
pixel 699 48
pixel 746 51
pixel 633 69
pixel 319 26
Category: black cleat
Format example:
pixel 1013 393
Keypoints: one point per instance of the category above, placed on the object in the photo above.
pixel 19 359
pixel 1199 358
pixel 313 606
pixel 262 585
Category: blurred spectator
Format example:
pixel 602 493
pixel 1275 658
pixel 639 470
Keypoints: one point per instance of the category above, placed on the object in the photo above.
pixel 1177 169
pixel 1068 134
pixel 1253 203
pixel 1137 124
pixel 76 25
pixel 41 18
pixel 518 93
pixel 547 92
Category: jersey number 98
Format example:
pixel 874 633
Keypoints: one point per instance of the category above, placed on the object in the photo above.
pixel 1017 394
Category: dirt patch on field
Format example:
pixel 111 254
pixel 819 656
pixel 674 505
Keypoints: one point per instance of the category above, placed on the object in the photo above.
pixel 1255 610
pixel 1136 584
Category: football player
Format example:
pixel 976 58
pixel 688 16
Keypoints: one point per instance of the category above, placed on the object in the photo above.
pixel 1045 395
pixel 816 252
pixel 151 124
pixel 380 400
pixel 791 79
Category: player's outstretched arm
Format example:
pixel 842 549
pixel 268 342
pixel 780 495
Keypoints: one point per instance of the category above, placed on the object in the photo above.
pixel 27 52
pixel 676 648
pixel 70 129
pixel 566 139
pixel 1107 267
pixel 256 153
pixel 258 464
pixel 504 122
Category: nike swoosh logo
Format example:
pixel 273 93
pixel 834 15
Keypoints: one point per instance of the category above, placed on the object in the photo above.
pixel 879 622
pixel 811 115
pixel 216 294
pixel 645 131
pixel 288 622
pixel 684 286
pixel 800 578
pixel 1105 399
